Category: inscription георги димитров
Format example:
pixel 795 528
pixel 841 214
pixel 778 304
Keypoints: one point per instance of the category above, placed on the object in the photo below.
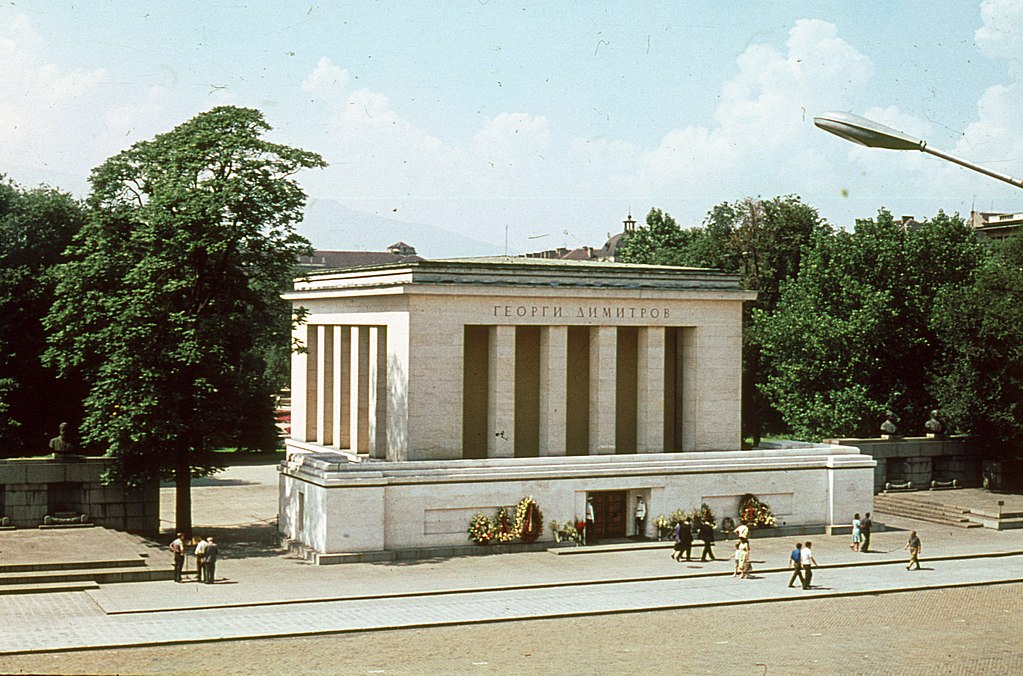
pixel 585 312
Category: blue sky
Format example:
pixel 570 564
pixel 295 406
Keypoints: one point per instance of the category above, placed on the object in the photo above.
pixel 552 119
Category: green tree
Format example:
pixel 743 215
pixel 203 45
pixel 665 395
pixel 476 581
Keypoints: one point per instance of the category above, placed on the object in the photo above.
pixel 980 384
pixel 661 242
pixel 762 241
pixel 172 297
pixel 852 336
pixel 35 227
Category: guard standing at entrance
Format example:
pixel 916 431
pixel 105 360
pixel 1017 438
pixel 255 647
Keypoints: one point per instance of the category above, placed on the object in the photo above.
pixel 640 517
pixel 590 535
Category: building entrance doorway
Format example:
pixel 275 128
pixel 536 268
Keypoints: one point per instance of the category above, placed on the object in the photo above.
pixel 609 512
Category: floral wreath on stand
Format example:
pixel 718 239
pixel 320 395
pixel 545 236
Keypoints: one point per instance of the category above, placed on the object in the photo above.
pixel 755 513
pixel 528 519
pixel 482 529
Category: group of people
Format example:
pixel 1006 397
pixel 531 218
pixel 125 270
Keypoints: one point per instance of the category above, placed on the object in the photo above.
pixel 686 532
pixel 801 562
pixel 205 559
pixel 861 533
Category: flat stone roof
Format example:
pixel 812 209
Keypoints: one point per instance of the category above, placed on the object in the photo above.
pixel 517 271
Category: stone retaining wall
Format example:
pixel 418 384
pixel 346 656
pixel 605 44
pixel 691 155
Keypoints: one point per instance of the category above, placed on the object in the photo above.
pixel 33 488
pixel 920 459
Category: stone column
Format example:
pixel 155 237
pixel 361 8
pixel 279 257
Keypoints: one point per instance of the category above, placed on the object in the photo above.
pixel 603 366
pixel 376 405
pixel 689 374
pixel 342 385
pixel 359 397
pixel 325 385
pixel 304 386
pixel 553 394
pixel 650 390
pixel 397 445
pixel 501 385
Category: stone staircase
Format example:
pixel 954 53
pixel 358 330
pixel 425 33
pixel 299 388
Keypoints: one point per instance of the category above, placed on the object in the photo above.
pixel 26 578
pixel 915 506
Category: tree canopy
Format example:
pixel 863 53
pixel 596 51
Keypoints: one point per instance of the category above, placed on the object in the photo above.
pixel 852 333
pixel 170 301
pixel 35 227
pixel 980 379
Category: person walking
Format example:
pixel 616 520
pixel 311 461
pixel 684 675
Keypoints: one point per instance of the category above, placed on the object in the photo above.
pixel 807 563
pixel 746 565
pixel 200 558
pixel 741 554
pixel 706 534
pixel 640 517
pixel 914 550
pixel 865 527
pixel 676 535
pixel 856 535
pixel 796 564
pixel 686 540
pixel 210 561
pixel 177 548
pixel 743 530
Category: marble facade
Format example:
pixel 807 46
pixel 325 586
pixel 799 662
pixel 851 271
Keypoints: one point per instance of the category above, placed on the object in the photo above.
pixel 431 390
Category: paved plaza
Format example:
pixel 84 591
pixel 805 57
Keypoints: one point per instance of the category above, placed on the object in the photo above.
pixel 576 597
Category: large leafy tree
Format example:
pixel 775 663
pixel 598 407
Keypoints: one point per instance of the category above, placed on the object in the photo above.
pixel 852 336
pixel 980 382
pixel 35 227
pixel 661 242
pixel 172 299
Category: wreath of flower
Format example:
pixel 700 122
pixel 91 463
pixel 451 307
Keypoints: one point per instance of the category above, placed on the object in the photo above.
pixel 755 513
pixel 528 519
pixel 505 531
pixel 482 529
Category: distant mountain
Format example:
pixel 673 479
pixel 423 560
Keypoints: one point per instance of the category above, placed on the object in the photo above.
pixel 332 226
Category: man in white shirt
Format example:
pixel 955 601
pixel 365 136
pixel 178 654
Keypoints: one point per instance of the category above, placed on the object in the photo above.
pixel 640 517
pixel 742 531
pixel 807 561
pixel 200 558
pixel 178 550
pixel 589 536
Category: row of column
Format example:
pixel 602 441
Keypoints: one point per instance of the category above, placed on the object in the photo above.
pixel 601 390
pixel 345 374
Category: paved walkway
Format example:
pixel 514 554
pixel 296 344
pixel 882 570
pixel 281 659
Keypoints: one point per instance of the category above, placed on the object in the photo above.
pixel 77 622
pixel 262 593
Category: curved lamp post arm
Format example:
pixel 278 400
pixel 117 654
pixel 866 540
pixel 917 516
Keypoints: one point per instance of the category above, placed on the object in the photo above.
pixel 876 135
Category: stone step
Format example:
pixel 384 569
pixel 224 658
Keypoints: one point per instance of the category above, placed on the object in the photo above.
pixel 916 512
pixel 892 504
pixel 47 587
pixel 71 565
pixel 930 518
pixel 910 498
pixel 98 576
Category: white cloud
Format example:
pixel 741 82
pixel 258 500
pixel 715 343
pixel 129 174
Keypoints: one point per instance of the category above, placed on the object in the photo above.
pixel 327 81
pixel 58 121
pixel 1001 34
pixel 764 111
pixel 36 97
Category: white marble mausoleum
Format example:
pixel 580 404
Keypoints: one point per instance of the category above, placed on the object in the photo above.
pixel 431 390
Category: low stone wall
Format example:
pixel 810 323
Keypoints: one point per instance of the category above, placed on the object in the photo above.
pixel 32 488
pixel 333 505
pixel 920 460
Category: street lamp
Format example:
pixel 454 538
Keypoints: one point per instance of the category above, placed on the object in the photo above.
pixel 876 135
